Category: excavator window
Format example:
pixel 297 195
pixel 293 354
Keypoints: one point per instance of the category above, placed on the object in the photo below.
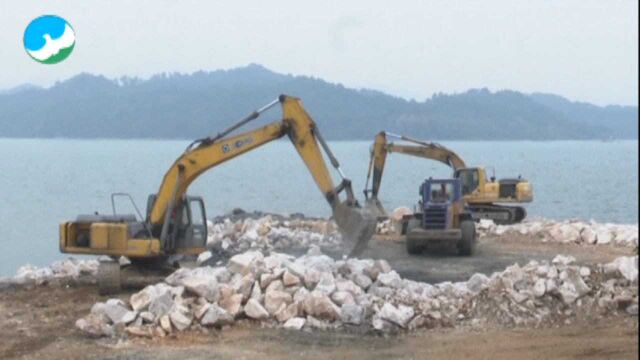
pixel 197 215
pixel 469 180
pixel 442 192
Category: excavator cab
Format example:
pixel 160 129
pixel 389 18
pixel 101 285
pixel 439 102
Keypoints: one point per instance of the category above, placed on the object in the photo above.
pixel 469 178
pixel 187 225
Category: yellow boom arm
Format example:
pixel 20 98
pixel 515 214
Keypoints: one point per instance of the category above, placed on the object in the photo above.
pixel 209 152
pixel 422 149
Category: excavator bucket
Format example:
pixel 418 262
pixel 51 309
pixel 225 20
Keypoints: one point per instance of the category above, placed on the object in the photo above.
pixel 357 226
pixel 375 208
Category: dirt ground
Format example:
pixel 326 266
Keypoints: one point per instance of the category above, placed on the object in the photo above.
pixel 492 254
pixel 39 322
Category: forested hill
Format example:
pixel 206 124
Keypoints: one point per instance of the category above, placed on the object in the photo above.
pixel 190 106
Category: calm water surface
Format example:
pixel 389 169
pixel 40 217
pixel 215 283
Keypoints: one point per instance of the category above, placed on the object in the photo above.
pixel 44 182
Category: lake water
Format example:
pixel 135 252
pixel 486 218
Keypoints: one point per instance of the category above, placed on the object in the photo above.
pixel 44 182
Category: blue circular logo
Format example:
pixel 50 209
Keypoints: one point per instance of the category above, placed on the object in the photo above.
pixel 49 39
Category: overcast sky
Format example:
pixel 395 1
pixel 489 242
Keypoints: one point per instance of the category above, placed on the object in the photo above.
pixel 584 50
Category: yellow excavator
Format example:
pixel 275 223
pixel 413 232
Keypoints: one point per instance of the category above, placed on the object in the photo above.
pixel 482 196
pixel 175 224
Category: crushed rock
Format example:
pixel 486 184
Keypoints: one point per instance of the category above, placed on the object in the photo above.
pixel 534 294
pixel 568 231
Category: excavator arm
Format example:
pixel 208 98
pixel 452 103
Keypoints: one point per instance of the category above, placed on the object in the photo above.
pixel 206 153
pixel 381 147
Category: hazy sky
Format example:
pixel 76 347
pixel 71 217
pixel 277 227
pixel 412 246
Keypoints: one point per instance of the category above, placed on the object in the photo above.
pixel 584 50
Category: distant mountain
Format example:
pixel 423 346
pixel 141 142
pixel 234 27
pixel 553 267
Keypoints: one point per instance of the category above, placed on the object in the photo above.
pixel 19 88
pixel 190 106
pixel 615 121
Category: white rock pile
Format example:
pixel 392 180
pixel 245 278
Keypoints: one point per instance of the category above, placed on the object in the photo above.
pixel 316 292
pixel 388 227
pixel 392 225
pixel 569 231
pixel 271 233
pixel 68 269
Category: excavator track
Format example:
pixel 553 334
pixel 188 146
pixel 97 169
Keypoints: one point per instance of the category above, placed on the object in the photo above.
pixel 109 277
pixel 113 277
pixel 500 214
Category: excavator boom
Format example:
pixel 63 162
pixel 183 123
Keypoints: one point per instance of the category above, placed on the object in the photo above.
pixel 305 136
pixel 421 149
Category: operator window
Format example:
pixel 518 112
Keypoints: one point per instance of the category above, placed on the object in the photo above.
pixel 196 213
pixel 442 192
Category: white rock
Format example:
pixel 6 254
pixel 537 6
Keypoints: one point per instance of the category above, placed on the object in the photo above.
pixel 314 250
pixel 165 323
pixel 274 299
pixel 244 285
pixel 563 260
pixel 267 278
pixel 389 279
pixel 161 305
pixel 311 278
pixel 604 235
pixel 585 271
pixel 573 287
pixel 129 317
pixel 286 312
pixel 256 292
pixel 314 323
pixel 351 314
pixel 300 295
pixel 232 304
pixel 93 325
pixel 588 235
pixel 362 280
pixel 381 324
pixel 289 279
pixel 294 323
pixel 477 282
pixel 380 291
pixel 117 311
pixel 349 286
pixel 179 320
pixel 382 265
pixel 254 310
pixel 400 315
pixel 296 269
pixel 276 285
pixel 342 297
pixel 320 306
pixel 246 262
pixel 539 288
pixel 627 266
pixel 147 316
pixel 216 316
pixel 327 284
pixel 204 256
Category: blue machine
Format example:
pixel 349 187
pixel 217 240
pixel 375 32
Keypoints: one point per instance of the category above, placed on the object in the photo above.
pixel 441 216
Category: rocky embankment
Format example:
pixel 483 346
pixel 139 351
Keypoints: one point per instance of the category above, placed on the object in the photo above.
pixel 569 231
pixel 242 231
pixel 315 291
pixel 259 283
pixel 544 230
